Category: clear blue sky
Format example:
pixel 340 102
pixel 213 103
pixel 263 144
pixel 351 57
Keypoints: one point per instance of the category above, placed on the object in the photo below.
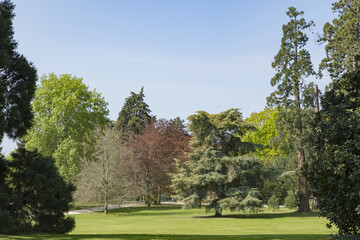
pixel 189 55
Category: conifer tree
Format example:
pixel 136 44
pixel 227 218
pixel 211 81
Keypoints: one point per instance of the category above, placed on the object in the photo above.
pixel 134 115
pixel 17 79
pixel 215 168
pixel 292 64
pixel 342 38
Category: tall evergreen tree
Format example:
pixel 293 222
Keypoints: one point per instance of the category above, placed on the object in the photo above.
pixel 17 79
pixel 292 64
pixel 342 38
pixel 134 115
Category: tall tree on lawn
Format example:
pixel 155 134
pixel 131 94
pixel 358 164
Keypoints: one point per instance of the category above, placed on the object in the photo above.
pixel 292 64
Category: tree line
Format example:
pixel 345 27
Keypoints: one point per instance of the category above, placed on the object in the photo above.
pixel 290 152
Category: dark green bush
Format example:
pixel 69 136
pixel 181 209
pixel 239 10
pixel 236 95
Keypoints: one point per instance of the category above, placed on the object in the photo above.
pixel 37 197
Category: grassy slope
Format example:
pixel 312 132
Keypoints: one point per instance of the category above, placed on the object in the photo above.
pixel 175 223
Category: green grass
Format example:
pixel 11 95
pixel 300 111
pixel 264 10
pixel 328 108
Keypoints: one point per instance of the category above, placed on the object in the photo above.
pixel 175 223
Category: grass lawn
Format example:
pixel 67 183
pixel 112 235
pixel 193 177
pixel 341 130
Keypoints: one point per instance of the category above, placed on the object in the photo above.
pixel 172 222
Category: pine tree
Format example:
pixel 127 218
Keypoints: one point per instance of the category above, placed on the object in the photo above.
pixel 342 38
pixel 292 64
pixel 134 115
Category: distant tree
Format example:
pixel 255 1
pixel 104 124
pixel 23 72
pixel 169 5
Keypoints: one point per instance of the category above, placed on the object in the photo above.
pixel 178 122
pixel 105 178
pixel 17 79
pixel 154 151
pixel 342 38
pixel 214 167
pixel 266 135
pixel 66 113
pixel 39 196
pixel 292 64
pixel 134 115
pixel 334 171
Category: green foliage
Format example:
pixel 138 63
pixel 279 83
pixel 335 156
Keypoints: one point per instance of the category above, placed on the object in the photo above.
pixel 334 172
pixel 221 131
pixel 232 180
pixel 17 79
pixel 342 39
pixel 266 135
pixel 38 195
pixel 66 112
pixel 213 168
pixel 292 63
pixel 291 201
pixel 134 115
pixel 273 203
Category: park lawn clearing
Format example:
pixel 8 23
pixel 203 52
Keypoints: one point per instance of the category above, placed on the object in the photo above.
pixel 173 222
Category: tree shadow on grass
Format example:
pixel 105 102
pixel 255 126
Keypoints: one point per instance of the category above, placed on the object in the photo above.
pixel 141 210
pixel 265 215
pixel 169 236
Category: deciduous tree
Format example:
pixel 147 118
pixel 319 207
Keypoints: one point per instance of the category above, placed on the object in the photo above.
pixel 154 151
pixel 107 174
pixel 65 114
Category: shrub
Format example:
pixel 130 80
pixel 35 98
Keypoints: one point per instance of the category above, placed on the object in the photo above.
pixel 38 195
pixel 291 201
pixel 273 203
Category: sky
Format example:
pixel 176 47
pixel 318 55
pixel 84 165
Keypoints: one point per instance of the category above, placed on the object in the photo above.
pixel 189 55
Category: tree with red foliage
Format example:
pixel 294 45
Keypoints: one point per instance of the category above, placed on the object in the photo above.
pixel 154 151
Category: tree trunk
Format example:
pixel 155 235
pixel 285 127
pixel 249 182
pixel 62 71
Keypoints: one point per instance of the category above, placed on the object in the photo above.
pixel 303 196
pixel 218 212
pixel 159 195
pixel 148 187
pixel 106 202
pixel 315 205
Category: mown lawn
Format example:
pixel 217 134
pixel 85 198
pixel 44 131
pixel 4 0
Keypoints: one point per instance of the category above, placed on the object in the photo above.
pixel 172 222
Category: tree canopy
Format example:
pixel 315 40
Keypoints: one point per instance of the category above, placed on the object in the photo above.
pixel 223 131
pixel 214 168
pixel 17 79
pixel 334 171
pixel 342 38
pixel 134 115
pixel 65 114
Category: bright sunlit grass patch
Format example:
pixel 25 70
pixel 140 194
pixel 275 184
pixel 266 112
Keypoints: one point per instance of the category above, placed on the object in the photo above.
pixel 173 222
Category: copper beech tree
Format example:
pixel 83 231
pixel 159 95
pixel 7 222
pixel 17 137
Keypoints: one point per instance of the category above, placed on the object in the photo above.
pixel 154 151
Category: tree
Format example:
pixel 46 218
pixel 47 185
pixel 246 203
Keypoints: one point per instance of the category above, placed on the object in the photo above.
pixel 39 196
pixel 221 131
pixel 66 112
pixel 334 171
pixel 154 151
pixel 292 64
pixel 134 115
pixel 107 173
pixel 265 135
pixel 215 167
pixel 342 38
pixel 17 79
